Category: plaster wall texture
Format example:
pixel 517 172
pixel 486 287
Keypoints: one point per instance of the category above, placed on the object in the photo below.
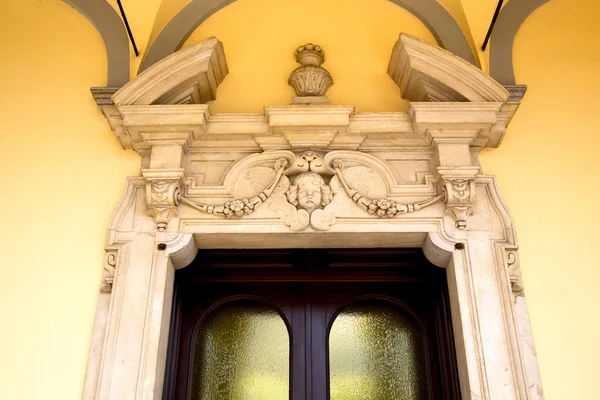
pixel 63 170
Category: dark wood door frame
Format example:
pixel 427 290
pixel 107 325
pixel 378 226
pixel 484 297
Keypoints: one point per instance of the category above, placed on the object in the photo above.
pixel 332 278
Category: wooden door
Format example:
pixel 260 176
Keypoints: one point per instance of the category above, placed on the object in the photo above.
pixel 309 289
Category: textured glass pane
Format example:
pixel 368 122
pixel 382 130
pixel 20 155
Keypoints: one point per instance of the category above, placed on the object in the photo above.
pixel 241 353
pixel 376 352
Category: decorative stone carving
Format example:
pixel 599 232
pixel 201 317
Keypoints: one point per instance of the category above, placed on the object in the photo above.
pixel 110 265
pixel 309 200
pixel 425 72
pixel 373 167
pixel 239 207
pixel 303 202
pixel 310 79
pixel 514 272
pixel 460 195
pixel 189 76
pixel 163 197
pixel 382 208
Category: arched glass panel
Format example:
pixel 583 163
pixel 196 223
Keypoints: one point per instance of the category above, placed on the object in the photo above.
pixel 241 352
pixel 376 351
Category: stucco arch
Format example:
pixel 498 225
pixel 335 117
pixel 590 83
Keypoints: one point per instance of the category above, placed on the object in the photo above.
pixel 111 29
pixel 511 18
pixel 433 15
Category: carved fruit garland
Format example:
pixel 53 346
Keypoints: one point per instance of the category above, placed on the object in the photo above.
pixel 382 208
pixel 379 207
pixel 239 207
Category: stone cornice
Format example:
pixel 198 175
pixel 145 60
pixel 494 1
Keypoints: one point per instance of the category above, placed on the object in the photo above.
pixel 160 106
pixel 303 126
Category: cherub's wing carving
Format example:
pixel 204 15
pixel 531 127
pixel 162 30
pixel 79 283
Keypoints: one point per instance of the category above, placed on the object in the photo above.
pixel 323 220
pixel 296 219
pixel 282 186
pixel 360 178
pixel 254 181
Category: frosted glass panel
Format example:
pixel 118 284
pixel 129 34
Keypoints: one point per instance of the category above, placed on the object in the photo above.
pixel 241 353
pixel 376 352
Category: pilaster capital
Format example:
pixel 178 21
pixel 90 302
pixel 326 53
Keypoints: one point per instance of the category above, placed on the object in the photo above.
pixel 471 123
pixel 163 194
pixel 459 189
pixel 164 124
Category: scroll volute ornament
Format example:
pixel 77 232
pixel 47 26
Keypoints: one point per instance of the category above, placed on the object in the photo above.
pixel 514 272
pixel 460 196
pixel 310 80
pixel 163 197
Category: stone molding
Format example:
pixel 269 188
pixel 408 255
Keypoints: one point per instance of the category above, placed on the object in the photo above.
pixel 312 176
pixel 190 76
pixel 517 92
pixel 428 73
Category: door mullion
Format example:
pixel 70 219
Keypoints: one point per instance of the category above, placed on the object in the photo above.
pixel 318 334
pixel 299 360
pixel 308 341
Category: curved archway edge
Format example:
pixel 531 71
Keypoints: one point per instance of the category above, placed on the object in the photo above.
pixel 435 17
pixel 510 20
pixel 111 29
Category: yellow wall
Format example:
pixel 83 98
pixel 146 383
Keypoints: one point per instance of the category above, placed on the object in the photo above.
pixel 260 50
pixel 547 168
pixel 62 167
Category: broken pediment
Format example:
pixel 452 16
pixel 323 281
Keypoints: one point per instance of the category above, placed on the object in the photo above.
pixel 425 72
pixel 188 76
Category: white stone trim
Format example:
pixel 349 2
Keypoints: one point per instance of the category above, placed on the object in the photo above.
pixel 386 180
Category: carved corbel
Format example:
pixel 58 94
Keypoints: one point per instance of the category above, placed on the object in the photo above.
pixel 460 195
pixel 514 272
pixel 458 185
pixel 163 197
pixel 110 267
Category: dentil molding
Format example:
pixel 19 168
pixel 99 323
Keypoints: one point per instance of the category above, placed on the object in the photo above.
pixel 312 174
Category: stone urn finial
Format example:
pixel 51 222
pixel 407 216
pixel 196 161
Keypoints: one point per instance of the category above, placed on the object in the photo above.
pixel 310 80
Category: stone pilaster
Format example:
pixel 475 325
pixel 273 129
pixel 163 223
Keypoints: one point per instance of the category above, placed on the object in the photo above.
pixel 164 134
pixel 453 129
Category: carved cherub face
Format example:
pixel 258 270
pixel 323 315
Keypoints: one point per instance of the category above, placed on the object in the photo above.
pixel 309 191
